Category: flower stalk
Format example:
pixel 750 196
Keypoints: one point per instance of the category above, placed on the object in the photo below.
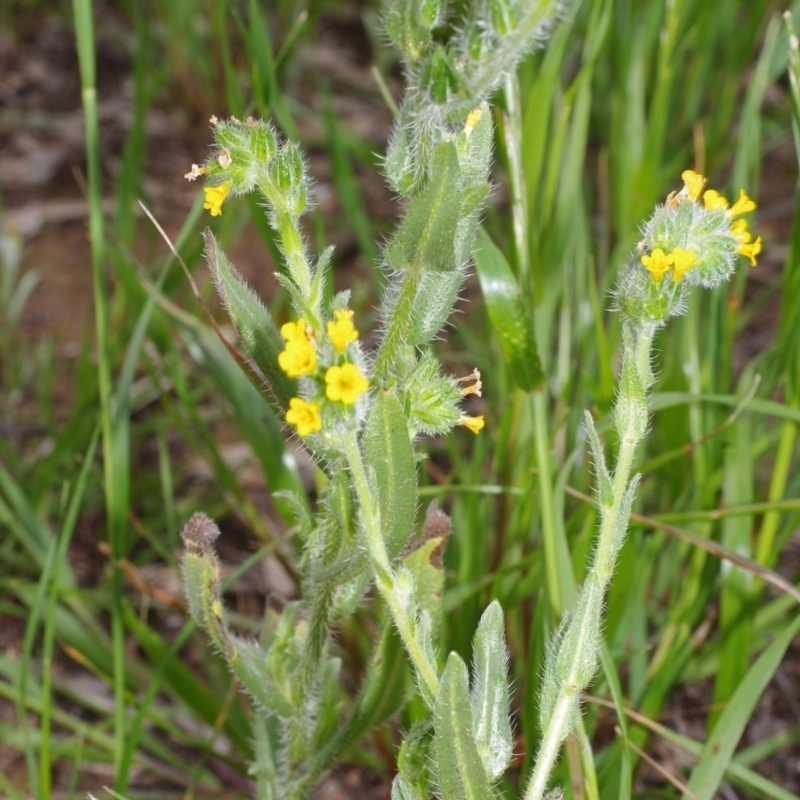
pixel 583 629
pixel 687 242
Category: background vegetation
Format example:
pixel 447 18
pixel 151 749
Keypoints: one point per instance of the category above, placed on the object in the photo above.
pixel 115 430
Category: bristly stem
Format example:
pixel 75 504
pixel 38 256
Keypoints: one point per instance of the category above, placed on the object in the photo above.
pixel 583 627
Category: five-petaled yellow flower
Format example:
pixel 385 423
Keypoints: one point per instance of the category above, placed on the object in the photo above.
pixel 694 182
pixel 292 331
pixel 658 263
pixel 682 262
pixel 298 358
pixel 475 424
pixel 304 416
pixel 215 197
pixel 345 384
pixel 341 331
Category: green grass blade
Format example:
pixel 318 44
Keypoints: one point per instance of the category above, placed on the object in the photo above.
pixel 737 584
pixel 115 473
pixel 718 750
pixel 50 591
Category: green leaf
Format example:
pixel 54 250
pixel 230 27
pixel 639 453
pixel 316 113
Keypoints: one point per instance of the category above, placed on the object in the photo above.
pixel 604 489
pixel 720 746
pixel 414 758
pixel 459 767
pixel 407 31
pixel 508 314
pixel 425 238
pixel 737 587
pixel 259 334
pixel 390 460
pixel 332 552
pixel 323 707
pixel 489 695
pixel 248 660
pixel 436 294
pixel 438 77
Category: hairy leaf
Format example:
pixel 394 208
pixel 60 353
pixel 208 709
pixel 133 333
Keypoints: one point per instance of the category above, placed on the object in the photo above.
pixel 390 459
pixel 459 767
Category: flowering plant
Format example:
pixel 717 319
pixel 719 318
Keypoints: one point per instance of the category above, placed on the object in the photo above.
pixel 360 413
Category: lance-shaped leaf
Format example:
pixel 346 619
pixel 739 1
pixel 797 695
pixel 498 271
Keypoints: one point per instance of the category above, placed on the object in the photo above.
pixel 249 663
pixel 423 254
pixel 459 767
pixel 323 712
pixel 390 460
pixel 407 30
pixel 259 334
pixel 602 476
pixel 436 294
pixel 330 544
pixel 717 753
pixel 414 759
pixel 381 695
pixel 508 314
pixel 425 238
pixel 489 695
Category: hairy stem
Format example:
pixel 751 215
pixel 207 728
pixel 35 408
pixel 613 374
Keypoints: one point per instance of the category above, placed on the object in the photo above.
pixel 589 607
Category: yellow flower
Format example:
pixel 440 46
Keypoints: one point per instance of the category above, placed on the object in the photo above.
pixel 744 205
pixel 341 332
pixel 475 424
pixel 215 197
pixel 658 263
pixel 295 330
pixel 345 384
pixel 304 416
pixel 298 358
pixel 714 201
pixel 682 261
pixel 694 183
pixel 751 250
pixel 739 229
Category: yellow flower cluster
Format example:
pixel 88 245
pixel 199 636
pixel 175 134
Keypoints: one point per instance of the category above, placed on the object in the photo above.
pixel 659 263
pixel 679 260
pixel 343 380
pixel 714 201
